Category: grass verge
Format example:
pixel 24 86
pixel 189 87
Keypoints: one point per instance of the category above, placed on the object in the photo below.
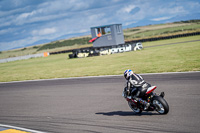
pixel 167 58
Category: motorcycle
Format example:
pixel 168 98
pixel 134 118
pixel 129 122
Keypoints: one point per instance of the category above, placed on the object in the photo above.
pixel 157 101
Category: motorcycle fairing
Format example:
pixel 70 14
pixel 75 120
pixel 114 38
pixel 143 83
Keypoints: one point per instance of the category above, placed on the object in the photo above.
pixel 150 89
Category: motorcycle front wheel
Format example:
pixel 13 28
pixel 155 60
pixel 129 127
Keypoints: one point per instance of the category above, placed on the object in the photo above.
pixel 161 105
pixel 134 108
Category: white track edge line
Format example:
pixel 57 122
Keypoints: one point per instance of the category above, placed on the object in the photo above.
pixel 20 128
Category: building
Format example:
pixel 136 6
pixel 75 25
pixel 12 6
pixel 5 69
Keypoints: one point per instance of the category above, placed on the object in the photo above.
pixel 107 35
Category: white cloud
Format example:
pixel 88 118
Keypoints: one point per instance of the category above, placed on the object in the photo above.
pixel 177 10
pixel 45 31
pixel 128 8
pixel 128 23
pixel 16 43
pixel 83 30
pixel 193 4
pixel 22 42
pixel 4 31
pixel 161 18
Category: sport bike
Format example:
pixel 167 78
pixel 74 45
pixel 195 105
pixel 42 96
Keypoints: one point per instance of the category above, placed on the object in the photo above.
pixel 157 102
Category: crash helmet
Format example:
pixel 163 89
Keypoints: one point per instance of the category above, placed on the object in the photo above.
pixel 127 74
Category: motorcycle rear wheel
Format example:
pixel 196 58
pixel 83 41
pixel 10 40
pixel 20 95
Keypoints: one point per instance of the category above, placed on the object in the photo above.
pixel 134 108
pixel 161 105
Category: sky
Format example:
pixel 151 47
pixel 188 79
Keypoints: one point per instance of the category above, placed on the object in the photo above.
pixel 31 22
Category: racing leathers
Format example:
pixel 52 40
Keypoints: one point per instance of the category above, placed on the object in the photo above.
pixel 136 87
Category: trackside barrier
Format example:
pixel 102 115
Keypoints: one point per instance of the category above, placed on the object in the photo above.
pixel 45 54
pixel 81 53
pixel 137 40
pixel 164 37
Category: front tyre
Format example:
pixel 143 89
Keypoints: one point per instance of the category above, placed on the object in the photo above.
pixel 161 105
pixel 134 108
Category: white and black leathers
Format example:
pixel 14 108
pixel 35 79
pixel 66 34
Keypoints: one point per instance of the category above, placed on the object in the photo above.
pixel 136 84
pixel 136 88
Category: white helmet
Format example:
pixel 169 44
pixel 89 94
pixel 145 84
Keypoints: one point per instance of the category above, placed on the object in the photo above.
pixel 127 74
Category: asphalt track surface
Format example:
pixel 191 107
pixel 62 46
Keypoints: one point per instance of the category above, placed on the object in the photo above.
pixel 95 105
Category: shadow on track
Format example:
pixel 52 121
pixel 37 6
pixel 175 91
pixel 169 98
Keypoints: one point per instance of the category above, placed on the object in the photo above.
pixel 125 113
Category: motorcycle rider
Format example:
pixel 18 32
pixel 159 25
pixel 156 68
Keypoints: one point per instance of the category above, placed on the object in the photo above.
pixel 136 87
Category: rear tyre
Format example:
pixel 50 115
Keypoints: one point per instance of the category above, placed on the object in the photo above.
pixel 134 108
pixel 161 105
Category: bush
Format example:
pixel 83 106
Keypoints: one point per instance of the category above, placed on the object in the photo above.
pixel 23 49
pixel 35 47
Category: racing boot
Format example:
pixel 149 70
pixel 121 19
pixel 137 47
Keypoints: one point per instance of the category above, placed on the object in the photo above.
pixel 146 104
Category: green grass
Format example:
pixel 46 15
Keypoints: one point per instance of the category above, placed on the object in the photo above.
pixel 155 30
pixel 168 58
